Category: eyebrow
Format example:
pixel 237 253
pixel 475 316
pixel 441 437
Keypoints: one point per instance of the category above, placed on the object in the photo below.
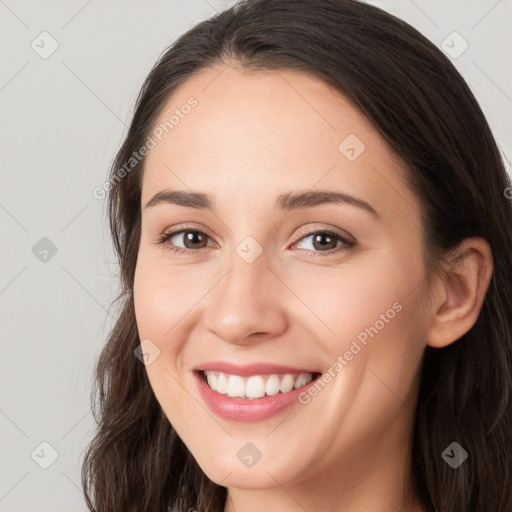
pixel 285 202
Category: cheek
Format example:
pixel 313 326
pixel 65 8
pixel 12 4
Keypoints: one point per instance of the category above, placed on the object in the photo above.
pixel 161 302
pixel 163 296
pixel 347 299
pixel 373 314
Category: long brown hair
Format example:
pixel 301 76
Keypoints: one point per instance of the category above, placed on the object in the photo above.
pixel 425 111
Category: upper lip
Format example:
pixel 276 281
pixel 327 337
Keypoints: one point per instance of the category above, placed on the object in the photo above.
pixel 250 369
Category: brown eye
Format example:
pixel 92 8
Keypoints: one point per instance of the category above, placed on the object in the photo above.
pixel 194 239
pixel 325 241
pixel 184 240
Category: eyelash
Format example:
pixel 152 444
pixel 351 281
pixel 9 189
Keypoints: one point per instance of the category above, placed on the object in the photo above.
pixel 348 245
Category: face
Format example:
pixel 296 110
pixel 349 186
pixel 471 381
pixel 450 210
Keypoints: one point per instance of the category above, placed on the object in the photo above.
pixel 333 287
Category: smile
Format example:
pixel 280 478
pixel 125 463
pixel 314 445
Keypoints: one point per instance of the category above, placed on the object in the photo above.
pixel 255 386
pixel 250 401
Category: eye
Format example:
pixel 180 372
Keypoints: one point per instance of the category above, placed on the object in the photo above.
pixel 193 239
pixel 324 242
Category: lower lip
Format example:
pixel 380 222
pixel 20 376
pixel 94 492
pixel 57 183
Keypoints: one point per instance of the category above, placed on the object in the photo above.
pixel 244 409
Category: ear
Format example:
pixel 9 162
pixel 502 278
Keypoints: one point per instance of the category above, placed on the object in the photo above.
pixel 460 294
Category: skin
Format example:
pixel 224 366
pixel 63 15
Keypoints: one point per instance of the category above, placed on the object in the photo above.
pixel 253 136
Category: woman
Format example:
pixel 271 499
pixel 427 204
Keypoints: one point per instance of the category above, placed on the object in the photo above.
pixel 309 211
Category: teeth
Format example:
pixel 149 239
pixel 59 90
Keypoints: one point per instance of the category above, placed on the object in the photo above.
pixel 256 386
pixel 272 385
pixel 287 383
pixel 236 386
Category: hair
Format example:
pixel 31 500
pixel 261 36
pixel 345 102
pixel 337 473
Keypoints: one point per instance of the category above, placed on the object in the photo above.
pixel 425 112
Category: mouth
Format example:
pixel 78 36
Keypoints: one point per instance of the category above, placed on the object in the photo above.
pixel 255 387
pixel 245 399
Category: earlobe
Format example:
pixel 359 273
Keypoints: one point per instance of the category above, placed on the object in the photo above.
pixel 461 293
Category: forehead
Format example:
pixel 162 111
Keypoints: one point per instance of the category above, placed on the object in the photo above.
pixel 267 132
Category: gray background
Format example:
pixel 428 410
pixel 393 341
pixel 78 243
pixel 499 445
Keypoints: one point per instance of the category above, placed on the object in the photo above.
pixel 62 119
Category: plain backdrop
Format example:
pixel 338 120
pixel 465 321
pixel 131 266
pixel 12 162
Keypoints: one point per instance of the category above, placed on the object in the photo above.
pixel 69 74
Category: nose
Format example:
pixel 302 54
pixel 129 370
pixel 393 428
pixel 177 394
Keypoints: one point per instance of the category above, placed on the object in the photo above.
pixel 248 304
